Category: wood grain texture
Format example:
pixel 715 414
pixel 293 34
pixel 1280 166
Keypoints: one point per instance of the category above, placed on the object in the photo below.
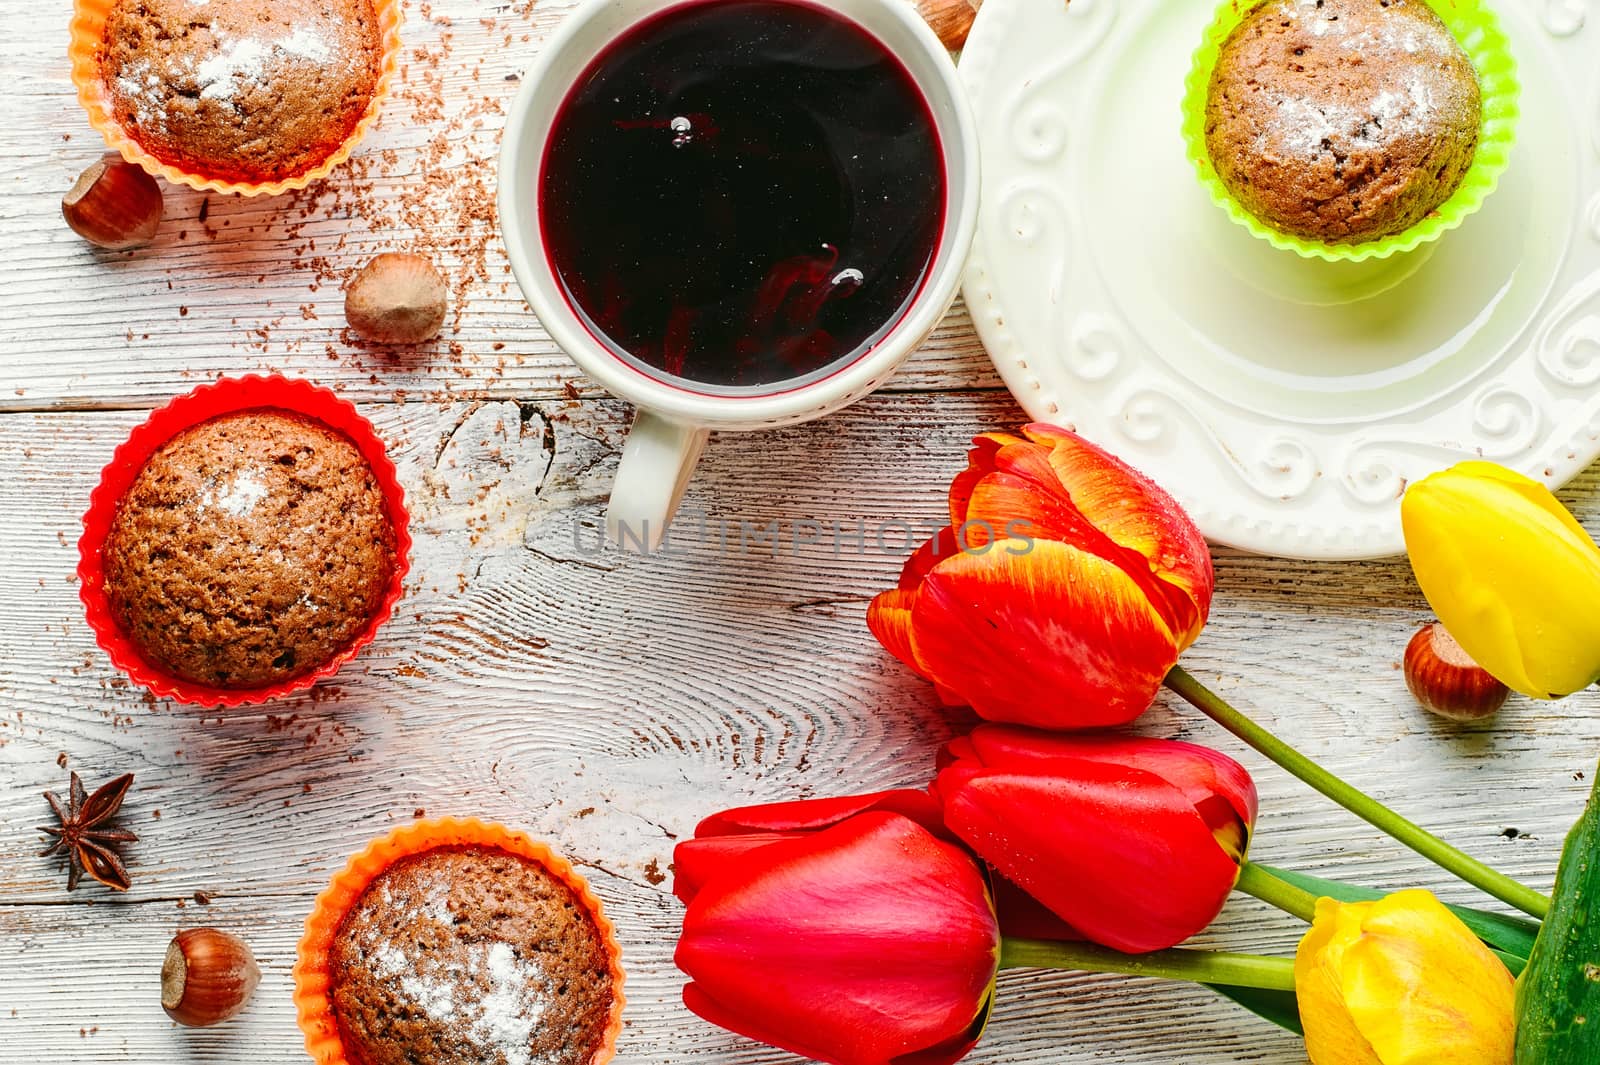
pixel 232 284
pixel 607 702
pixel 601 701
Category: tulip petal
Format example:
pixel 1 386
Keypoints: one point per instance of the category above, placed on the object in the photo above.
pixel 1023 498
pixel 1200 773
pixel 946 1053
pixel 889 619
pixel 1117 853
pixel 1094 655
pixel 1056 637
pixel 939 547
pixel 1136 513
pixel 1511 574
pixel 957 1046
pixel 810 815
pixel 1402 981
pixel 1021 915
pixel 857 945
pixel 1534 493
pixel 695 861
pixel 1459 999
pixel 980 463
pixel 1332 1037
pixel 966 747
pixel 723 840
pixel 889 613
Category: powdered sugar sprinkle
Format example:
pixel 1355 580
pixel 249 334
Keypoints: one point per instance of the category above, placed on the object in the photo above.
pixel 246 60
pixel 1307 125
pixel 233 64
pixel 446 989
pixel 237 497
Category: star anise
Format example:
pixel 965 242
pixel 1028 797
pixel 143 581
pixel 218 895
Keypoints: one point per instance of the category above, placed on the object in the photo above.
pixel 89 847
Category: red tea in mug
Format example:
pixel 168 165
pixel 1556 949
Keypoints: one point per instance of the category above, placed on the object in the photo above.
pixel 743 195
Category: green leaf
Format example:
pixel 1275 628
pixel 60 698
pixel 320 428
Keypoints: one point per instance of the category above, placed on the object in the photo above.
pixel 1559 993
pixel 1279 1007
pixel 1512 962
pixel 1511 937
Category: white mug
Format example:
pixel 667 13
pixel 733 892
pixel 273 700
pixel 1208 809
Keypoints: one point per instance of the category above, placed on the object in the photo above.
pixel 672 422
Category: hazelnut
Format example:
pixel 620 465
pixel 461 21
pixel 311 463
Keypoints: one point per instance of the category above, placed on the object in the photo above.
pixel 207 977
pixel 1446 681
pixel 397 298
pixel 951 19
pixel 113 204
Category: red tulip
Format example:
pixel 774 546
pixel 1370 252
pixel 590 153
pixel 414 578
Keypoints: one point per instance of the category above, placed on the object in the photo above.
pixel 1135 843
pixel 871 942
pixel 1063 591
pixel 722 840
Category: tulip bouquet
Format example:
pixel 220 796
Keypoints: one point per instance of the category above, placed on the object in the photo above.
pixel 868 930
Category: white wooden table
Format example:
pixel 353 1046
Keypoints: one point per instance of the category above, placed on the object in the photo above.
pixel 603 702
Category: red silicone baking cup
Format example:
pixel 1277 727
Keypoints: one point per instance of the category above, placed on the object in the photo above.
pixel 312 978
pixel 201 405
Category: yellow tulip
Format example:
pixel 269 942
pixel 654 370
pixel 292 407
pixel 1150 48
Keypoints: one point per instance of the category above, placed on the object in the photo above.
pixel 1401 981
pixel 1511 574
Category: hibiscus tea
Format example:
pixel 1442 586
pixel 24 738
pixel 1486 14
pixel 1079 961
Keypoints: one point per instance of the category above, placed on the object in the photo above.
pixel 743 195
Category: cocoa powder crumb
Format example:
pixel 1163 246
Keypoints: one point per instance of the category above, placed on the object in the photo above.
pixel 437 199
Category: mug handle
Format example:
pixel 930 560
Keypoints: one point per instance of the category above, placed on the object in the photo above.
pixel 656 464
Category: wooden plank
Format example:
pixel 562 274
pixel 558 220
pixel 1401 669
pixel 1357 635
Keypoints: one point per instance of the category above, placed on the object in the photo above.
pixel 234 285
pixel 601 701
pixel 607 702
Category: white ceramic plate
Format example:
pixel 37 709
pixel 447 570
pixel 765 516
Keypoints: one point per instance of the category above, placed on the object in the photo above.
pixel 1285 402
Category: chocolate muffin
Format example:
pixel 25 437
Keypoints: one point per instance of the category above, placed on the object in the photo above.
pixel 243 90
pixel 1342 121
pixel 469 956
pixel 249 549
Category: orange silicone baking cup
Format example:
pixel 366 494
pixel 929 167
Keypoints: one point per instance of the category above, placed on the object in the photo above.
pixel 88 30
pixel 204 403
pixel 312 979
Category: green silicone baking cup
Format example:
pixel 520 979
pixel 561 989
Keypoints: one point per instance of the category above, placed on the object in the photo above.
pixel 1477 28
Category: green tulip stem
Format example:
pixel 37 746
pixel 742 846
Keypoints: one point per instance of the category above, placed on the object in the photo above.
pixel 1295 901
pixel 1357 802
pixel 1197 966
